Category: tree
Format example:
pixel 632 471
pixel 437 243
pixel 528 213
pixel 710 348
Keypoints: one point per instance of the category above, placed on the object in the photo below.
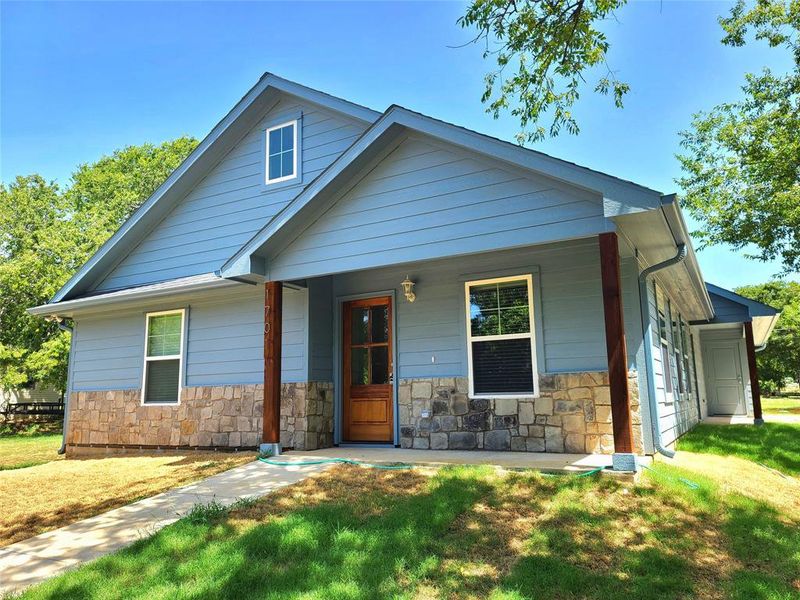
pixel 780 360
pixel 742 160
pixel 552 44
pixel 46 234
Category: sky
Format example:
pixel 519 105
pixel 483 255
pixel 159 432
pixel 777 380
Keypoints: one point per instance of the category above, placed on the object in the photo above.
pixel 78 80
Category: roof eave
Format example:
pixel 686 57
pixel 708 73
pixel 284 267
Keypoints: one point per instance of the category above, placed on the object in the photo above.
pixel 680 232
pixel 68 308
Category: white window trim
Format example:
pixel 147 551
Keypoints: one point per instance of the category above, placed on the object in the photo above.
pixel 528 278
pixel 666 369
pixel 179 356
pixel 269 181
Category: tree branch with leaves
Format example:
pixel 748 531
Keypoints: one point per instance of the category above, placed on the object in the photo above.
pixel 742 159
pixel 550 46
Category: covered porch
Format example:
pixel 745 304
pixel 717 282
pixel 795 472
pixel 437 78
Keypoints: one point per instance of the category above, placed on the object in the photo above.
pixel 727 370
pixel 392 355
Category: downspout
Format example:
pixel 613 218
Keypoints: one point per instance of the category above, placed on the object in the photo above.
pixel 644 309
pixel 68 391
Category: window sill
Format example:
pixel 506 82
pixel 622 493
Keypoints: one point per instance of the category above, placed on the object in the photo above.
pixel 495 396
pixel 281 185
pixel 160 403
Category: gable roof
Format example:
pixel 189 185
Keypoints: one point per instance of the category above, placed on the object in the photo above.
pixel 620 196
pixel 763 316
pixel 211 149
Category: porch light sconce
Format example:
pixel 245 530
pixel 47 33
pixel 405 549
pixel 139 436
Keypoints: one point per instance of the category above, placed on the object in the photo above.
pixel 408 289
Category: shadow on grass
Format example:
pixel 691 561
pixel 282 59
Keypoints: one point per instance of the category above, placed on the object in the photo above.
pixel 330 550
pixel 774 444
pixel 464 533
pixel 670 542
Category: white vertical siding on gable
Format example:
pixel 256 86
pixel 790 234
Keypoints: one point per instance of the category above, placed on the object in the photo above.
pixel 231 203
pixel 426 200
pixel 225 341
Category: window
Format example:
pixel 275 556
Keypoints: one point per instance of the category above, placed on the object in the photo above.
pixel 500 342
pixel 666 360
pixel 282 152
pixel 162 357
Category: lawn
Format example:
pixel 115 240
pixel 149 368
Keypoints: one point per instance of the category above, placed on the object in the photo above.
pixel 781 405
pixel 27 450
pixel 776 445
pixel 44 497
pixel 465 532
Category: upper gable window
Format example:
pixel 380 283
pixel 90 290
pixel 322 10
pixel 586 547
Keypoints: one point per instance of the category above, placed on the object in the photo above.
pixel 282 152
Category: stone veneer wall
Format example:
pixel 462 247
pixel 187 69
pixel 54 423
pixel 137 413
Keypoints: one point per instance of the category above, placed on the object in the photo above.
pixel 572 414
pixel 227 416
pixel 307 415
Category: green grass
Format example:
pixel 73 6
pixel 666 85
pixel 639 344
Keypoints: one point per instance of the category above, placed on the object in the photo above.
pixel 781 405
pixel 18 451
pixel 463 532
pixel 776 445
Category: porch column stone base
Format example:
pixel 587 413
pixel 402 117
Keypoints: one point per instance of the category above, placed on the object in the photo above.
pixel 572 414
pixel 624 461
pixel 270 449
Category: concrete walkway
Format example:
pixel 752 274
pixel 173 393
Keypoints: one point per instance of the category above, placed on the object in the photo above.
pixel 38 558
pixel 743 420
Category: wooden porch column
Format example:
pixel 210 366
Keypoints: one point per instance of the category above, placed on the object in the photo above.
pixel 273 309
pixel 755 388
pixel 615 343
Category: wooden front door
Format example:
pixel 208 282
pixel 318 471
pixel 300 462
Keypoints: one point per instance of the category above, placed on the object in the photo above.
pixel 368 398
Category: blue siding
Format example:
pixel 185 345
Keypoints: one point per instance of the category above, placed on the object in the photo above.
pixel 320 334
pixel 727 311
pixel 571 338
pixel 224 343
pixel 678 414
pixel 108 352
pixel 426 201
pixel 231 203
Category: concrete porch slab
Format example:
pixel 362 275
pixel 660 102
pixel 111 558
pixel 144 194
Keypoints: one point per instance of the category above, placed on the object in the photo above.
pixel 744 420
pixel 549 463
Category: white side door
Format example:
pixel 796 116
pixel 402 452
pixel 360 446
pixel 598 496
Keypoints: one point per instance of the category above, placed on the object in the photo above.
pixel 724 378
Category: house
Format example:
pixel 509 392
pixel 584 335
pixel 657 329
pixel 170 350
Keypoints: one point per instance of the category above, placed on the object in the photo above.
pixel 318 273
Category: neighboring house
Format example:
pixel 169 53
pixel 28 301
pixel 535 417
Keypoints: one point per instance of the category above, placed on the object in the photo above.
pixel 318 273
pixel 28 394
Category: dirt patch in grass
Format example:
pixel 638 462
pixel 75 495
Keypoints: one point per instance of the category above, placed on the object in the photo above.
pixel 48 496
pixel 18 451
pixel 776 445
pixel 737 475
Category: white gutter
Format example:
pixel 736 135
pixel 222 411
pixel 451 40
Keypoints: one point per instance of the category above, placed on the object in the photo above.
pixel 112 298
pixel 644 308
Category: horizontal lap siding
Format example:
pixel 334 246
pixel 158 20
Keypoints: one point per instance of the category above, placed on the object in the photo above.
pixel 425 201
pixel 320 337
pixel 678 415
pixel 231 203
pixel 224 345
pixel 727 311
pixel 569 297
